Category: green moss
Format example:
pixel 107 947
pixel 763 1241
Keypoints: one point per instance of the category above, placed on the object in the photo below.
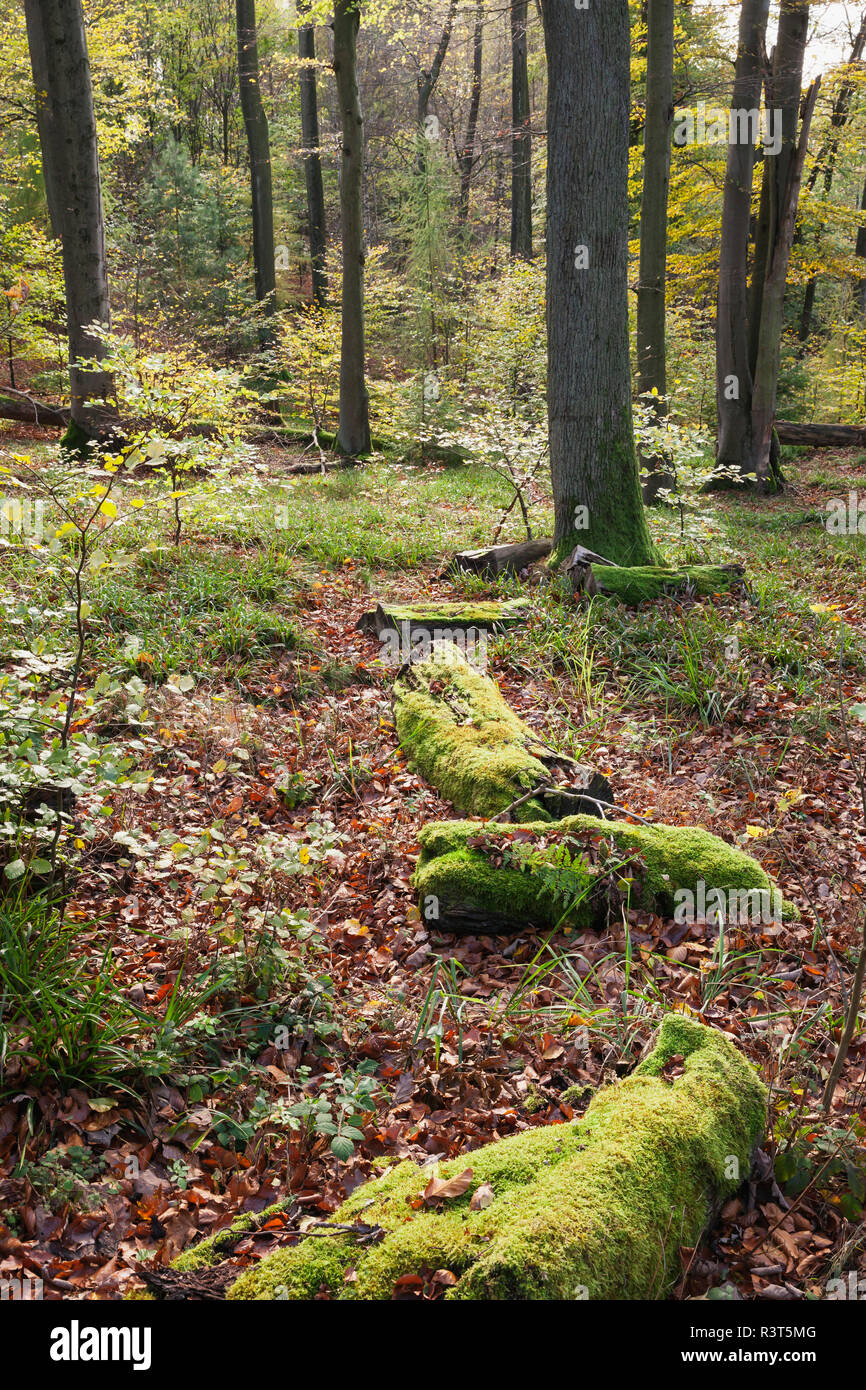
pixel 662 858
pixel 598 1208
pixel 461 735
pixel 475 614
pixel 641 583
pixel 218 1247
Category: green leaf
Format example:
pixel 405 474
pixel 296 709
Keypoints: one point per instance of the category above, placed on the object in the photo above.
pixel 859 712
pixel 15 869
pixel 341 1147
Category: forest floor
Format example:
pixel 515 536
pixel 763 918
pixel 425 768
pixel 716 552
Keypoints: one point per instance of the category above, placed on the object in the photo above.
pixel 225 1054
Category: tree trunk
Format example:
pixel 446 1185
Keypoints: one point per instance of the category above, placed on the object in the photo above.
pixel 826 161
pixel 467 154
pixel 785 173
pixel 70 159
pixel 596 487
pixel 353 433
pixel 651 316
pixel 783 92
pixel 427 81
pixel 258 141
pixel 860 250
pixel 733 373
pixel 521 137
pixel 312 158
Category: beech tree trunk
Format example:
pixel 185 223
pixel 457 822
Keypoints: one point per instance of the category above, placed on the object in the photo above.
pixel 70 161
pixel 783 177
pixel 521 137
pixel 596 487
pixel 258 142
pixel 467 154
pixel 733 371
pixel 353 433
pixel 651 305
pixel 312 158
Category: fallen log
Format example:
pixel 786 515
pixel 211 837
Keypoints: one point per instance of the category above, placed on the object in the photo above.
pixel 460 734
pixel 501 559
pixel 485 877
pixel 590 574
pixel 26 410
pixel 597 1208
pixel 821 436
pixel 428 617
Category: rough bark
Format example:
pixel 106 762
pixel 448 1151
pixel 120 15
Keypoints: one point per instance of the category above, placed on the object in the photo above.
pixel 651 307
pixel 467 154
pixel 70 159
pixel 592 450
pixel 521 137
pixel 733 373
pixel 353 433
pixel 312 158
pixel 259 145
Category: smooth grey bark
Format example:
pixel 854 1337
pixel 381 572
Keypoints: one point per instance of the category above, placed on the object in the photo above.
pixel 258 142
pixel 466 159
pixel 521 137
pixel 353 433
pixel 782 180
pixel 592 453
pixel 312 158
pixel 733 372
pixel 651 297
pixel 784 85
pixel 70 159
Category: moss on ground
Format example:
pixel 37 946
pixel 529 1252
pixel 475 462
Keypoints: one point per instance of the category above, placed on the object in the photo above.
pixel 658 859
pixel 641 583
pixel 597 1208
pixel 462 737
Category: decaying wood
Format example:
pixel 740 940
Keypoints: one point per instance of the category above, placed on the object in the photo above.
pixel 821 436
pixel 502 559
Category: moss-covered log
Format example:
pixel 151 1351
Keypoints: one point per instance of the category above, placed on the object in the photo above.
pixel 597 1208
pixel 479 877
pixel 461 735
pixel 439 618
pixel 642 583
